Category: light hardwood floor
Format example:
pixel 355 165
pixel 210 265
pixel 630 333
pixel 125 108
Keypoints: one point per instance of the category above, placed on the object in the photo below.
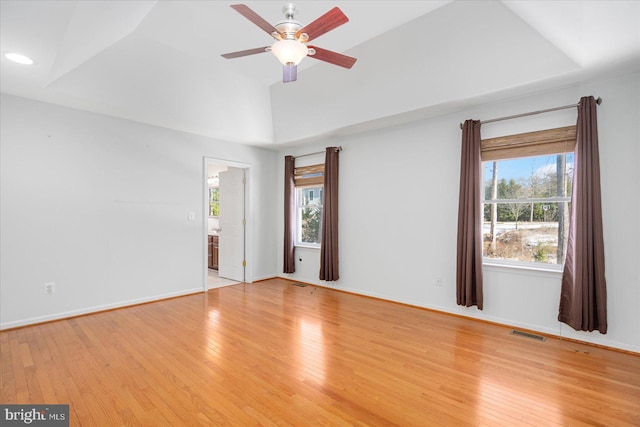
pixel 272 353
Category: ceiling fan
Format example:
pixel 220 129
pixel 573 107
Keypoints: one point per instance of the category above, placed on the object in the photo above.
pixel 291 37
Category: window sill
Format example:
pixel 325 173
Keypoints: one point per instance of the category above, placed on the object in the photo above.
pixel 303 246
pixel 555 271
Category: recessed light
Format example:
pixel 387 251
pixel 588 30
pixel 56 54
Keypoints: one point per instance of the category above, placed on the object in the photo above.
pixel 20 59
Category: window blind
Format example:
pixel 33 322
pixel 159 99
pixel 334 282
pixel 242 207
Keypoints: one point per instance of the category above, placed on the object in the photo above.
pixel 306 176
pixel 550 141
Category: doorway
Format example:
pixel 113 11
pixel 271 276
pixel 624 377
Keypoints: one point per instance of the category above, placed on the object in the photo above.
pixel 225 203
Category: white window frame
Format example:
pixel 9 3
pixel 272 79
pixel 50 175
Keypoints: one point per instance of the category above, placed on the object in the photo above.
pixel 299 207
pixel 535 265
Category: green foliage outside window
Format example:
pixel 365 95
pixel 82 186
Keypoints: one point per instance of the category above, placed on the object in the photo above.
pixel 311 224
pixel 309 206
pixel 214 201
pixel 535 187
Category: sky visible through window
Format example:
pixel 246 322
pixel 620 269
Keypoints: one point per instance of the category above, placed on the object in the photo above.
pixel 525 167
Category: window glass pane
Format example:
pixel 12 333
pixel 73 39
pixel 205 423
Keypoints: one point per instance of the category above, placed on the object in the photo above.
pixel 214 209
pixel 520 224
pixel 309 214
pixel 214 201
pixel 526 240
pixel 214 194
pixel 530 177
pixel 310 224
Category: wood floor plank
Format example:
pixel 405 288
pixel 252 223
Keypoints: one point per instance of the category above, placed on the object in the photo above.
pixel 274 354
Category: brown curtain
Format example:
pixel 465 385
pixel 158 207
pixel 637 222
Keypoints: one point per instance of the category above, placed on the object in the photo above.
pixel 583 297
pixel 289 264
pixel 329 268
pixel 469 256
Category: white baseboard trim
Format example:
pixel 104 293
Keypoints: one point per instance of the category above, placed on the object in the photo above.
pixel 267 277
pixel 467 312
pixel 94 309
pixel 308 280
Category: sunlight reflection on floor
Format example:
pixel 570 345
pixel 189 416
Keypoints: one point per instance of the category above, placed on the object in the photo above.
pixel 312 357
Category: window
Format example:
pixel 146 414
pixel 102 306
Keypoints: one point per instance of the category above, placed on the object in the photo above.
pixel 308 215
pixel 309 185
pixel 526 197
pixel 214 201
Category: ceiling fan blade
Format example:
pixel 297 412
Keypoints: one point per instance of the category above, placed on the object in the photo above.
pixel 333 57
pixel 327 22
pixel 289 73
pixel 247 52
pixel 248 13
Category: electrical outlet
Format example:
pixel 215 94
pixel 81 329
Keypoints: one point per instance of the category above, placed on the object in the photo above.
pixel 438 281
pixel 50 288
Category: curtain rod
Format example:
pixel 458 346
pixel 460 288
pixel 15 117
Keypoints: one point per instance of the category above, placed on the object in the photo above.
pixel 313 154
pixel 598 101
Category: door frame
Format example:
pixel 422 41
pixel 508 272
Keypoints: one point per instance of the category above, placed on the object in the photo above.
pixel 248 271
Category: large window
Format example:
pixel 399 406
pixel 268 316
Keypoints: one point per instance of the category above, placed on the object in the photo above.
pixel 526 198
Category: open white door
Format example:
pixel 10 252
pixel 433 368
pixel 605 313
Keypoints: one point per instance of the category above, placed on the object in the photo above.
pixel 231 240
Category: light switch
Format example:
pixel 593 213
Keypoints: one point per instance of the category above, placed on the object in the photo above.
pixel 192 216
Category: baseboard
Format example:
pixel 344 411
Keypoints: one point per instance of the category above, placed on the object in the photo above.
pixel 95 309
pixel 551 333
pixel 263 278
pixel 293 278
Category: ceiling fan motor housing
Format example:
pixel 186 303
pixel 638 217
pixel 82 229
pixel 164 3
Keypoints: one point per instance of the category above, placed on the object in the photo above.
pixel 290 27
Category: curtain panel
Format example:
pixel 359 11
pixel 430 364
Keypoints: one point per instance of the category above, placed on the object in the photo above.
pixel 583 295
pixel 289 265
pixel 469 249
pixel 329 266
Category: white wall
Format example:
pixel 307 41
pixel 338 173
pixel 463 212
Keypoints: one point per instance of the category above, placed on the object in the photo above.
pixel 100 206
pixel 398 214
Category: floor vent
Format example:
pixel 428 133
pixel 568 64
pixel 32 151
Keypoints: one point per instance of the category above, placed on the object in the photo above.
pixel 528 335
pixel 302 285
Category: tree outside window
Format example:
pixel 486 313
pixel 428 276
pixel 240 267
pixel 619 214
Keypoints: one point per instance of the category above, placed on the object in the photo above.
pixel 526 208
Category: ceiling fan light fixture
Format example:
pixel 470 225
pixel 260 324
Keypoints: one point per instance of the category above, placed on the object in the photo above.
pixel 289 52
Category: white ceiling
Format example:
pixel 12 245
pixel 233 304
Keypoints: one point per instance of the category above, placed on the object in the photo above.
pixel 158 62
